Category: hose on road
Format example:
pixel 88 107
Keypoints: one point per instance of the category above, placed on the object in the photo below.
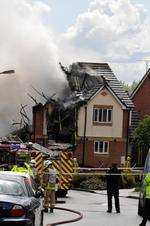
pixel 80 216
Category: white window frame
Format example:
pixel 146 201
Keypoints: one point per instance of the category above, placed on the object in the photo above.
pixel 102 118
pixel 103 151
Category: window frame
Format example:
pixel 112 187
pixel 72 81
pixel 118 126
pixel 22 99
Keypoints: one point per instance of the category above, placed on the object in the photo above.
pixel 98 142
pixel 98 114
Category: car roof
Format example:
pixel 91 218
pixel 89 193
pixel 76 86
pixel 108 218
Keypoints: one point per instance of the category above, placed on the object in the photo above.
pixel 14 174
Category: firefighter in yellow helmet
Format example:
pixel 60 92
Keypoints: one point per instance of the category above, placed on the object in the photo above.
pixel 49 183
pixel 22 167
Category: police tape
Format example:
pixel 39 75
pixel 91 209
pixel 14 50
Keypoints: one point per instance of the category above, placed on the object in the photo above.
pixel 99 174
pixel 107 168
pixel 104 174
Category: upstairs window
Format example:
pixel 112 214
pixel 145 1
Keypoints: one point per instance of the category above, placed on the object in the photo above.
pixel 102 114
pixel 101 147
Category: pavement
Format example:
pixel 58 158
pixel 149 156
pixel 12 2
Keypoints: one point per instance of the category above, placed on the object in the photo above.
pixel 126 193
pixel 93 206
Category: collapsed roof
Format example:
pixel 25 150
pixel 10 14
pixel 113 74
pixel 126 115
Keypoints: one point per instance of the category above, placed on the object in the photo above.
pixel 86 78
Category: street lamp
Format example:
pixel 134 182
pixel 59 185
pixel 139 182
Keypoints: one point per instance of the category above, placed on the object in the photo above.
pixel 8 72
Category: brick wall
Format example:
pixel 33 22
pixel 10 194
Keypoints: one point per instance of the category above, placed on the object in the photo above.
pixel 117 148
pixel 141 98
pixel 37 131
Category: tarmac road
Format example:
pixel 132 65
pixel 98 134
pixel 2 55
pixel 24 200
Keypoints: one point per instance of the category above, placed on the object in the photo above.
pixel 93 206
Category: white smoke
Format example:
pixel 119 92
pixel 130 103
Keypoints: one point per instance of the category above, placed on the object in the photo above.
pixel 26 46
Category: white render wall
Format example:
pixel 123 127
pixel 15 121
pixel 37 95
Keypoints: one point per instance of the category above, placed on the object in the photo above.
pixel 98 130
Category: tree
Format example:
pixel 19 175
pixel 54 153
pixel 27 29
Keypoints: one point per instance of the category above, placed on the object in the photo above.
pixel 129 88
pixel 141 139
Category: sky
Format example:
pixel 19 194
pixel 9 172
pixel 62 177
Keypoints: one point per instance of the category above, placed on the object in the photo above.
pixel 38 34
pixel 113 31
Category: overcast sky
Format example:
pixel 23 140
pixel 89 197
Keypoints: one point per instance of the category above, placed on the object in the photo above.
pixel 37 34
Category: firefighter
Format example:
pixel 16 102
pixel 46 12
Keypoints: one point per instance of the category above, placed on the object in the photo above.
pixel 147 199
pixel 36 175
pixel 49 183
pixel 33 167
pixel 22 166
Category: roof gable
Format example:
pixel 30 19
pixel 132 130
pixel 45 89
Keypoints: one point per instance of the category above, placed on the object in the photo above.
pixel 111 93
pixel 147 75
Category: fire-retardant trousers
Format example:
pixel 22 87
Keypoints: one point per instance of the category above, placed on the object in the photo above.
pixel 49 198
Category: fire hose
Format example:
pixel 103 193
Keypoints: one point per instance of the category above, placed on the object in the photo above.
pixel 80 216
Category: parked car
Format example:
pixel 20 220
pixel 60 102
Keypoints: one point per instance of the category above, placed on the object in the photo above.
pixel 20 203
pixel 142 191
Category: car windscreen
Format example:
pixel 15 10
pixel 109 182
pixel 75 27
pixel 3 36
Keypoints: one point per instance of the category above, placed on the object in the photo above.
pixel 13 188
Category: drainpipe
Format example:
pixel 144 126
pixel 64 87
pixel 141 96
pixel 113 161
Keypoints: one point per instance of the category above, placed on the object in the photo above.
pixel 84 136
pixel 127 142
pixel 34 123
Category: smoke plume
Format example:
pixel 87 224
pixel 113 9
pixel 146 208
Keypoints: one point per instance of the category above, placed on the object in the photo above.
pixel 26 46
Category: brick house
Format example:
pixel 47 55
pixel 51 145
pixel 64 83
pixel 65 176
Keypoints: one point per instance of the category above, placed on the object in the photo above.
pixel 94 115
pixel 103 112
pixel 141 96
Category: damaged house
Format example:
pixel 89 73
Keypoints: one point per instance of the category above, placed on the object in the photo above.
pixel 93 116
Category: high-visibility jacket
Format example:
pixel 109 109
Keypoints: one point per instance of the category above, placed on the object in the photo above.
pixel 19 169
pixel 23 169
pixel 147 185
pixel 29 168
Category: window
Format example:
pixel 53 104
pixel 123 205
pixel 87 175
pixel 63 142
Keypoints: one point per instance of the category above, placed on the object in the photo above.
pixel 13 188
pixel 101 147
pixel 102 115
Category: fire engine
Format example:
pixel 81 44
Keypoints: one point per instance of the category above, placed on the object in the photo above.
pixel 61 156
pixel 63 162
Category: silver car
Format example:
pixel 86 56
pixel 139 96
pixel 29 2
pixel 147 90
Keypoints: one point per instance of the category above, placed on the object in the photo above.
pixel 20 203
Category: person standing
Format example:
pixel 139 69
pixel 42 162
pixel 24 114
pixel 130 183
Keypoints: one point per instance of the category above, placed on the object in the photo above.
pixel 49 183
pixel 36 175
pixel 21 166
pixel 147 199
pixel 112 179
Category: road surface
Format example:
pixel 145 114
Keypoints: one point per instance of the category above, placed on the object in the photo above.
pixel 94 207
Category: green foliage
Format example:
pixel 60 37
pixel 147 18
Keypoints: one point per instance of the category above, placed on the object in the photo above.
pixel 141 135
pixel 141 140
pixel 129 88
pixel 98 182
pixel 92 182
pixel 128 180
